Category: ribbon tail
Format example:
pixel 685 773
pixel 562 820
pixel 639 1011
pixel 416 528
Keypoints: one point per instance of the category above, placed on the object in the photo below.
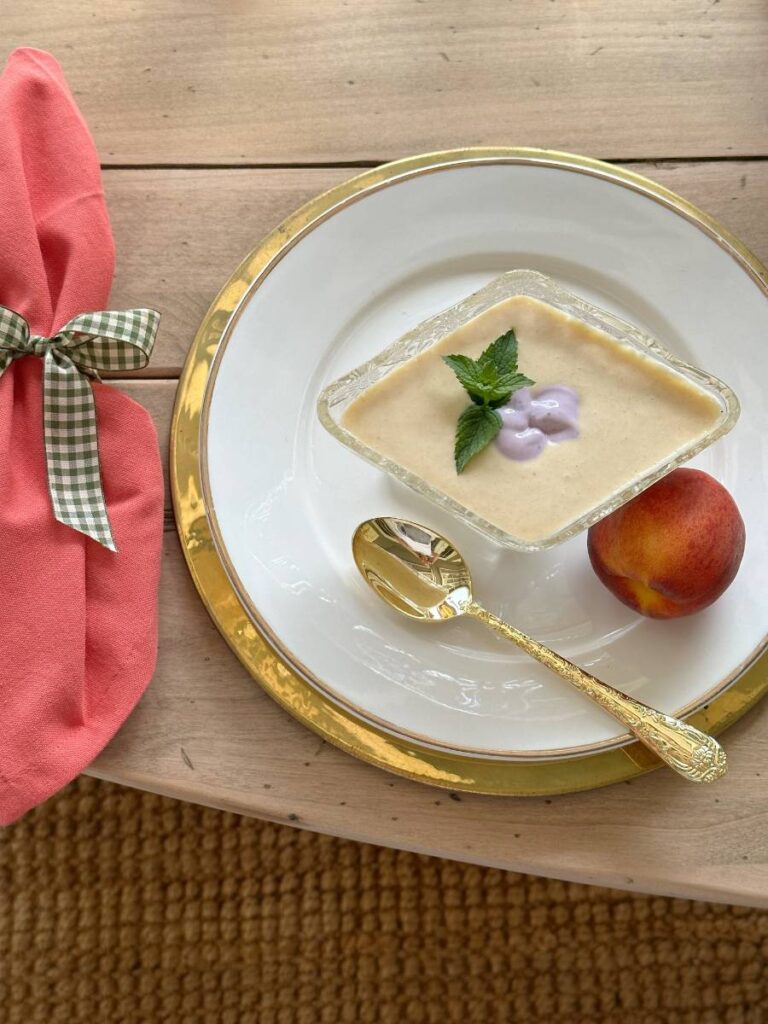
pixel 72 450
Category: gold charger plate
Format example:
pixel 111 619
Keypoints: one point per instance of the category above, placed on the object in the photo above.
pixel 306 703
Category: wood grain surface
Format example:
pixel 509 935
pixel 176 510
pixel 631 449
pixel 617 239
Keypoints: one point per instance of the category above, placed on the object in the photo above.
pixel 190 81
pixel 180 233
pixel 216 120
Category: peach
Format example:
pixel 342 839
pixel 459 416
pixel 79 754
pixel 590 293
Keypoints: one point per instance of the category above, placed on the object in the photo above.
pixel 673 549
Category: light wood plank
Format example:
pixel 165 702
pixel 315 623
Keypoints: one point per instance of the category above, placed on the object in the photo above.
pixel 157 398
pixel 180 233
pixel 205 732
pixel 183 81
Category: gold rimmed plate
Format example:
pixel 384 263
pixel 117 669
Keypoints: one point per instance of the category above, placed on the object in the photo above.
pixel 266 502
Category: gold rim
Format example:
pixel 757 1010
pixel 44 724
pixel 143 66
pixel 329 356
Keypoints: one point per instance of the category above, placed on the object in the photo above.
pixel 310 705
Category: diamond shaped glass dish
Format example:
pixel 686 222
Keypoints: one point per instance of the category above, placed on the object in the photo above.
pixel 337 396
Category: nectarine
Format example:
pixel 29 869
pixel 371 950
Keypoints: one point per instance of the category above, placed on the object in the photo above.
pixel 673 549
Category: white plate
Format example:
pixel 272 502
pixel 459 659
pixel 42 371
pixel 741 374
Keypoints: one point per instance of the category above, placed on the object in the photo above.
pixel 287 496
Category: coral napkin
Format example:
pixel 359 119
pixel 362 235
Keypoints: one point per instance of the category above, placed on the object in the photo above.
pixel 79 622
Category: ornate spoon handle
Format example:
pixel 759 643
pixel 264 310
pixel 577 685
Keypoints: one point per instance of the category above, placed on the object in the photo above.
pixel 691 753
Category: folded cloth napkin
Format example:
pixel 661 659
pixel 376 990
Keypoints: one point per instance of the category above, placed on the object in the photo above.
pixel 79 638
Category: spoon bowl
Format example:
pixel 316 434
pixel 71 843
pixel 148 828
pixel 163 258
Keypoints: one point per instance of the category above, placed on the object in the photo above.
pixel 412 568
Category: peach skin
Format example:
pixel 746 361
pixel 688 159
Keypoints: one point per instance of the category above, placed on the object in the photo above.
pixel 672 550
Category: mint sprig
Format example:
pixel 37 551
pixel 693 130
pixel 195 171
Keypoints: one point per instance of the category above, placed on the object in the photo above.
pixel 489 381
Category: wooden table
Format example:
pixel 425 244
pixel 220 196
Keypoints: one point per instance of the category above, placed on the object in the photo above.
pixel 214 120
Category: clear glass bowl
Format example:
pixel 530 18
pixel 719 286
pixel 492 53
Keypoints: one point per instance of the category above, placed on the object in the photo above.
pixel 337 396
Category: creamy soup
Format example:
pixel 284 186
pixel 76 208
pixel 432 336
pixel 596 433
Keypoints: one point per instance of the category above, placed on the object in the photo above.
pixel 633 413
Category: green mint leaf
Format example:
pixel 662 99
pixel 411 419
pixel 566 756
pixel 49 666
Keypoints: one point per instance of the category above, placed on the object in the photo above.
pixel 477 427
pixel 483 382
pixel 505 385
pixel 493 377
pixel 468 374
pixel 502 354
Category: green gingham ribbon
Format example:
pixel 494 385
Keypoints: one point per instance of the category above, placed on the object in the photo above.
pixel 91 342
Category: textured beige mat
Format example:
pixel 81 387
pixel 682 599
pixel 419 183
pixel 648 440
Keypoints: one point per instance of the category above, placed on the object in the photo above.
pixel 117 906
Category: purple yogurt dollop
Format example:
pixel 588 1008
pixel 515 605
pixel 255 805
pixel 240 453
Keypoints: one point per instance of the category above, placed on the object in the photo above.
pixel 521 444
pixel 520 400
pixel 514 419
pixel 533 419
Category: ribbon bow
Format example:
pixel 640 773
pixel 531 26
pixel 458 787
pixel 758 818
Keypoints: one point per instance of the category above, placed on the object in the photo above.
pixel 89 343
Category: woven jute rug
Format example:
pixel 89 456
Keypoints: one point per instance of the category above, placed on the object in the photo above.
pixel 117 906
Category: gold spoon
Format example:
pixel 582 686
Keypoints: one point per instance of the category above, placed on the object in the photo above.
pixel 422 575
